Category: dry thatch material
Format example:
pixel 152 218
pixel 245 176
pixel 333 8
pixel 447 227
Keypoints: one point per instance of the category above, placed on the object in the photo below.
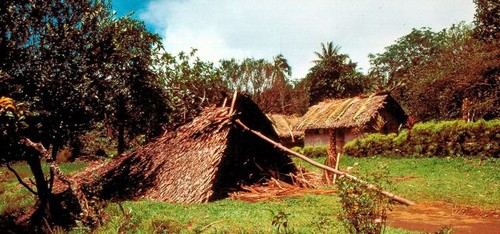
pixel 275 190
pixel 285 125
pixel 201 161
pixel 303 182
pixel 347 113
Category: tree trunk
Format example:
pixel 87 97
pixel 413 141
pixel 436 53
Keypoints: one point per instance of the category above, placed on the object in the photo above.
pixel 76 149
pixel 121 125
pixel 121 139
pixel 55 150
pixel 331 160
pixel 50 209
pixel 42 187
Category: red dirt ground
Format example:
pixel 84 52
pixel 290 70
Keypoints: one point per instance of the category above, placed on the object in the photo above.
pixel 433 217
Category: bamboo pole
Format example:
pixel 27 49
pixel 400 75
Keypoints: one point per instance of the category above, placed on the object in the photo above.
pixel 233 102
pixel 336 167
pixel 319 165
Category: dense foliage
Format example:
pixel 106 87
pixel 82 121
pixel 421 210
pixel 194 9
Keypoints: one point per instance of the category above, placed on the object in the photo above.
pixel 486 20
pixel 334 75
pixel 364 210
pixel 441 75
pixel 11 126
pixel 269 83
pixel 190 84
pixel 441 139
pixel 312 151
pixel 76 65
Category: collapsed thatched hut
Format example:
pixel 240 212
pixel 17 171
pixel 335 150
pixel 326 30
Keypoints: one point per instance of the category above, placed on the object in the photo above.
pixel 199 162
pixel 284 125
pixel 337 121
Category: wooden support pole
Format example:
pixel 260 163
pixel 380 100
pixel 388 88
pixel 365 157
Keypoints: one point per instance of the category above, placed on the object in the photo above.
pixel 319 165
pixel 233 102
pixel 336 167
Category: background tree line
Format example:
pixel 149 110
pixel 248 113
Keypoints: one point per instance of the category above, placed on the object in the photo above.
pixel 79 68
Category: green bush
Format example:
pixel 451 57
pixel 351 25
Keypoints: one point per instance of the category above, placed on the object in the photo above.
pixel 442 139
pixel 312 151
pixel 364 210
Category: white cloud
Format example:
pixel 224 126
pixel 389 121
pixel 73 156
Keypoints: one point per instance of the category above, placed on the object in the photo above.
pixel 263 29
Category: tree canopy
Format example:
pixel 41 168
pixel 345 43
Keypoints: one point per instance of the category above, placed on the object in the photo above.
pixel 71 61
pixel 487 20
pixel 268 82
pixel 334 75
pixel 440 75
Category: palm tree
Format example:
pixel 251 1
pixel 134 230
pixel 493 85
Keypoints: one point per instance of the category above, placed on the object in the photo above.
pixel 281 66
pixel 281 72
pixel 328 52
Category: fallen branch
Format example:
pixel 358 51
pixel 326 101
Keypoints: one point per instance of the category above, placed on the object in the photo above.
pixel 319 165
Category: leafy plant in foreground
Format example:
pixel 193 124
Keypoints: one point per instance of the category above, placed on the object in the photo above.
pixel 280 222
pixel 363 210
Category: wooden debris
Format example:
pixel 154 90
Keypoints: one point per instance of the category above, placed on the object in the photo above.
pixel 274 189
pixel 319 165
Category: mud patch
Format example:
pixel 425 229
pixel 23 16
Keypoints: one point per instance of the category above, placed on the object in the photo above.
pixel 433 217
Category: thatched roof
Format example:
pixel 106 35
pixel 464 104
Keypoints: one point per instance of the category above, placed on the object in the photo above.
pixel 199 162
pixel 347 113
pixel 285 125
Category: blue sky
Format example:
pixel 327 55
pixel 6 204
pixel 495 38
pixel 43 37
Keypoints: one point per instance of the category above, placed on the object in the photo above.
pixel 224 29
pixel 123 7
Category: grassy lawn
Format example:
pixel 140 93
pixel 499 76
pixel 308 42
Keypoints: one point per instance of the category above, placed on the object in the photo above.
pixel 464 182
pixel 305 214
pixel 468 182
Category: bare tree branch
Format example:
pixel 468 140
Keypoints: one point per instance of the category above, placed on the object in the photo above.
pixel 37 146
pixel 20 179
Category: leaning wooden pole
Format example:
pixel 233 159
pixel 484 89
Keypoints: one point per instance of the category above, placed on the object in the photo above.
pixel 324 167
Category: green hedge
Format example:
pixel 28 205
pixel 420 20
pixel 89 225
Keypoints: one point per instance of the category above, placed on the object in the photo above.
pixel 312 151
pixel 442 139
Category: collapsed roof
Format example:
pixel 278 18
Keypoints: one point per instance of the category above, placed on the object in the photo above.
pixel 201 161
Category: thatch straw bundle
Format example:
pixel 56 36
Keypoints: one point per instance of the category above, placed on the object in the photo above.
pixel 199 162
pixel 347 113
pixel 284 125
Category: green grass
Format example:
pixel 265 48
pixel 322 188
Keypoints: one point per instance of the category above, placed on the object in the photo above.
pixel 461 181
pixel 306 214
pixel 13 196
pixel 468 182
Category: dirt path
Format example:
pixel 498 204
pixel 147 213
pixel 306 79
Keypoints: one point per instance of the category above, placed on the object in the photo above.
pixel 433 217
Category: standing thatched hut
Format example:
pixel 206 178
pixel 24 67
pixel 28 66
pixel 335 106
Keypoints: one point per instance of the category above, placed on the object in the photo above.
pixel 338 121
pixel 285 125
pixel 199 162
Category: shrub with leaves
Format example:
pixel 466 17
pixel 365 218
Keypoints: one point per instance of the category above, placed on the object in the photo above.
pixel 363 210
pixel 280 222
pixel 441 139
pixel 312 151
